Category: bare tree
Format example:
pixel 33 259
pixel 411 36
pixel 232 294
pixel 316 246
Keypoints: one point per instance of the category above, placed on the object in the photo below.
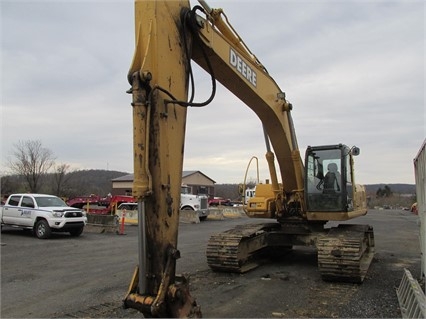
pixel 60 178
pixel 32 161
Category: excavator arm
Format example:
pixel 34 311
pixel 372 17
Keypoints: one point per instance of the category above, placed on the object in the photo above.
pixel 159 72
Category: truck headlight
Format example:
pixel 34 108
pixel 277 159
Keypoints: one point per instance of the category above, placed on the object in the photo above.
pixel 57 214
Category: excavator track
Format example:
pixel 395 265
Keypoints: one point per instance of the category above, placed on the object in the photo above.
pixel 238 249
pixel 345 253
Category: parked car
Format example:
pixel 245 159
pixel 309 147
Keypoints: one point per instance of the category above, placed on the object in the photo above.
pixel 216 201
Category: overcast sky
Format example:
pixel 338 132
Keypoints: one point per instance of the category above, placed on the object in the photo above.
pixel 353 70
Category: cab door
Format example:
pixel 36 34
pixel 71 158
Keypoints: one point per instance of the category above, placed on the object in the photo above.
pixel 27 209
pixel 325 188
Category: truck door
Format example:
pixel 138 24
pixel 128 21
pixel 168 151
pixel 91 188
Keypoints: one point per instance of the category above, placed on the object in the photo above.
pixel 27 209
pixel 12 210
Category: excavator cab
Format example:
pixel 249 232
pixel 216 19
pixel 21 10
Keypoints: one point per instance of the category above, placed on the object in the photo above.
pixel 329 178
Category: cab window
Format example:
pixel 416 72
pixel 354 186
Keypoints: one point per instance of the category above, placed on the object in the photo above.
pixel 14 200
pixel 27 202
pixel 349 188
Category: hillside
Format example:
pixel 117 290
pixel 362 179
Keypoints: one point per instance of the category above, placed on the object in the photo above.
pixel 92 181
pixel 97 181
pixel 76 183
pixel 396 188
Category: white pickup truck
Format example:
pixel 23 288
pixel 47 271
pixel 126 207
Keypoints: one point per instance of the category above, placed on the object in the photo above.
pixel 43 214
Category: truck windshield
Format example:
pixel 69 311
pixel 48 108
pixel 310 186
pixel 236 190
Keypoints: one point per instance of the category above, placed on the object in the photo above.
pixel 50 202
pixel 184 190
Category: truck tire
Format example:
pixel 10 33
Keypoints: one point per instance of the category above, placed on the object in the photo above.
pixel 42 229
pixel 76 232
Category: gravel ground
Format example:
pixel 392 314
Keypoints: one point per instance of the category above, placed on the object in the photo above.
pixel 292 287
pixel 287 288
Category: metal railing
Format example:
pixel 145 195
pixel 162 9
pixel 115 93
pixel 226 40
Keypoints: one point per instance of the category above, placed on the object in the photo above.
pixel 411 297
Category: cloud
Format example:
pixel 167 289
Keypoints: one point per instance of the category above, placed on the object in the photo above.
pixel 353 70
pixel 65 79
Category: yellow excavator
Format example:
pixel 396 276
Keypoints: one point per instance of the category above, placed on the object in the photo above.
pixel 169 34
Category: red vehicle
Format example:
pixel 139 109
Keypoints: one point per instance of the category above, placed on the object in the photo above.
pixel 95 204
pixel 216 201
pixel 413 208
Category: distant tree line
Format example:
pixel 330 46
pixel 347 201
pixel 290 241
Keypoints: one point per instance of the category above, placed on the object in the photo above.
pixel 75 183
pixel 34 169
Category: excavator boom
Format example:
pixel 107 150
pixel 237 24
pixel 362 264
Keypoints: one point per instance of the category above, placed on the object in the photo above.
pixel 243 75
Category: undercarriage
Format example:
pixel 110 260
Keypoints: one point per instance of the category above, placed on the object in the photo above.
pixel 344 252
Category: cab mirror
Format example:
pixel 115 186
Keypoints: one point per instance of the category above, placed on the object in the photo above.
pixel 240 189
pixel 355 151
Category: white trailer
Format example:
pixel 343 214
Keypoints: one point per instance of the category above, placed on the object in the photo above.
pixel 420 174
pixel 411 297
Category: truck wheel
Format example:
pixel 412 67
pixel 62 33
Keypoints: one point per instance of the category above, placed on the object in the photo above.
pixel 76 232
pixel 42 229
